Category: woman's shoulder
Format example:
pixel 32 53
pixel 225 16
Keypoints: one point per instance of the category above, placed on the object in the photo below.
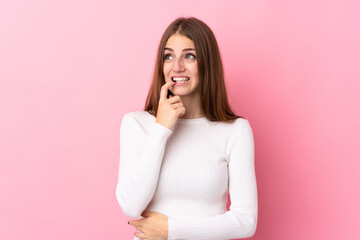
pixel 139 116
pixel 239 127
pixel 237 133
pixel 237 124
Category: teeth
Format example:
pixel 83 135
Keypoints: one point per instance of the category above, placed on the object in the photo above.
pixel 180 79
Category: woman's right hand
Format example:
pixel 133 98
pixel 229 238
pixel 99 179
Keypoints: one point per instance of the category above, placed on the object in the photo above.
pixel 170 109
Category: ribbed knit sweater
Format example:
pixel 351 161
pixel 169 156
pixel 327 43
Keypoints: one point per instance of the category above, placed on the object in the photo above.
pixel 186 174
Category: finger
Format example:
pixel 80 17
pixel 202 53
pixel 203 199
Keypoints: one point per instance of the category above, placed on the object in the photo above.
pixel 175 99
pixel 180 111
pixel 136 223
pixel 177 105
pixel 164 89
pixel 139 229
pixel 140 235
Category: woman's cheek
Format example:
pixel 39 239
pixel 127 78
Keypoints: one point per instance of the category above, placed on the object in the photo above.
pixel 165 69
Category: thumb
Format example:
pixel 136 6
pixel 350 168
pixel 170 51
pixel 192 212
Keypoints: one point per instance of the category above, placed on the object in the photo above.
pixel 145 214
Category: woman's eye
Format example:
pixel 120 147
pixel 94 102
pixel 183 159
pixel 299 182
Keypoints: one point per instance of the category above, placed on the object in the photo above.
pixel 167 56
pixel 190 56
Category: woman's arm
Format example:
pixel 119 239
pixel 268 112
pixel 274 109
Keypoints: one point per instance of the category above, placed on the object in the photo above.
pixel 141 155
pixel 241 220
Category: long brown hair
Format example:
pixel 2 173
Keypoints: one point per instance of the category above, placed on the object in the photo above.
pixel 212 90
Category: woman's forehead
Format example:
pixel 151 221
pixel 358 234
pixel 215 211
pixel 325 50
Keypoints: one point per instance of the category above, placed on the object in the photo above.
pixel 178 41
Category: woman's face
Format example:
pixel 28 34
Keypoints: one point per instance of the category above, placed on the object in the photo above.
pixel 180 65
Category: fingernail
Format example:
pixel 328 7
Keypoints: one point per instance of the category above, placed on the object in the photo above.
pixel 128 222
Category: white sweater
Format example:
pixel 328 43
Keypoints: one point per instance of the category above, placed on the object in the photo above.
pixel 186 174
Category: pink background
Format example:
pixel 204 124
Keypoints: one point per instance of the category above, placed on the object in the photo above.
pixel 69 70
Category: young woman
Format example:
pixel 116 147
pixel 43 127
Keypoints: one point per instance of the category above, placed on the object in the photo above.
pixel 182 154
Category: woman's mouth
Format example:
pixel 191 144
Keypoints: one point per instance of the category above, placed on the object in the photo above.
pixel 180 81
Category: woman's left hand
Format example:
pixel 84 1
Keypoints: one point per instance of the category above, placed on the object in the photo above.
pixel 154 226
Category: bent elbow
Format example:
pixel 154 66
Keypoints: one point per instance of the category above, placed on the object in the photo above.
pixel 127 208
pixel 131 212
pixel 251 226
pixel 252 231
pixel 247 224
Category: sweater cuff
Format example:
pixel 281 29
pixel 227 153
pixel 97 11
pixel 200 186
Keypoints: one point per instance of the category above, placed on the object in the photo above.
pixel 160 133
pixel 176 228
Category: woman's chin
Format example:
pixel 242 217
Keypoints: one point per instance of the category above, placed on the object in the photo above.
pixel 181 93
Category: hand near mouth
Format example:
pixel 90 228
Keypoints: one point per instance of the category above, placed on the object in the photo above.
pixel 170 109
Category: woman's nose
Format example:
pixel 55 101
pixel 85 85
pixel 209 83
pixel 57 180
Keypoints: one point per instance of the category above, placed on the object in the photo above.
pixel 178 65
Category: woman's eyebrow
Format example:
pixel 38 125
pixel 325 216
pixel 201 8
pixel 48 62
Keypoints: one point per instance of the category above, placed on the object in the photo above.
pixel 185 49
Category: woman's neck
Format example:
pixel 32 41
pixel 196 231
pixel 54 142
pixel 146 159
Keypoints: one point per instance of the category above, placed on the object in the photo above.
pixel 192 106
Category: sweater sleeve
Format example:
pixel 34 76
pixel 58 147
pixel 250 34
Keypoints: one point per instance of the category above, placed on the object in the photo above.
pixel 141 155
pixel 241 220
